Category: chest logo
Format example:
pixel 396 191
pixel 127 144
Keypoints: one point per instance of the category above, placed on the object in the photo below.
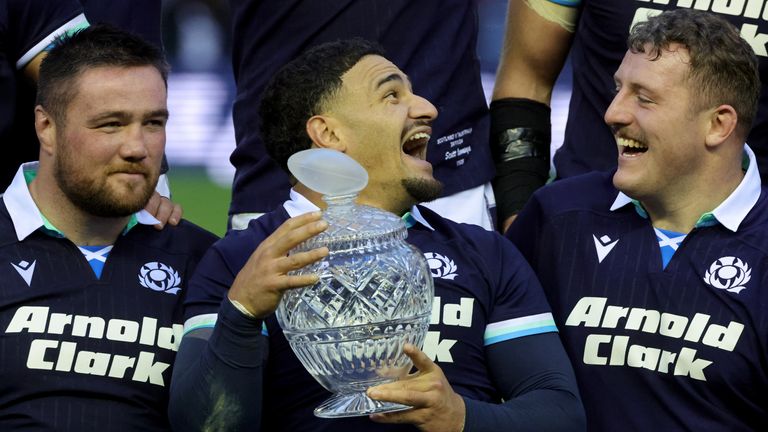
pixel 728 273
pixel 603 246
pixel 159 277
pixel 440 266
pixel 25 270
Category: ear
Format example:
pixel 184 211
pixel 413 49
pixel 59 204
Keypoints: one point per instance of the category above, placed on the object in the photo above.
pixel 324 132
pixel 46 130
pixel 722 124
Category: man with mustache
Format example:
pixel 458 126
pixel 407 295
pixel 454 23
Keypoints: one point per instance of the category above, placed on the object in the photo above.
pixel 655 271
pixel 90 310
pixel 499 363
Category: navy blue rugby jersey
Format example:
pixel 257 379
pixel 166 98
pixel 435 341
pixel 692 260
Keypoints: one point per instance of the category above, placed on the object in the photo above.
pixel 485 293
pixel 433 41
pixel 142 17
pixel 81 353
pixel 681 348
pixel 599 45
pixel 27 27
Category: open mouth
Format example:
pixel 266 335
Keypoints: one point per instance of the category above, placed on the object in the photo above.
pixel 630 147
pixel 416 145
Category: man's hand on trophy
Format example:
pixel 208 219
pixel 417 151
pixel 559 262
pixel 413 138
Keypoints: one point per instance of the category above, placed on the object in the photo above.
pixel 261 283
pixel 436 407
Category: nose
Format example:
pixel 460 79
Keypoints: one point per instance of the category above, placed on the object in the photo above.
pixel 423 109
pixel 618 114
pixel 134 146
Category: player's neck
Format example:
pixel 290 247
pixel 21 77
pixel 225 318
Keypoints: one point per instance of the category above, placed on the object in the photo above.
pixel 80 227
pixel 679 212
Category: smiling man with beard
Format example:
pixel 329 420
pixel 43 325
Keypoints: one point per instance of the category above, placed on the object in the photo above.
pixel 656 271
pixel 492 359
pixel 91 303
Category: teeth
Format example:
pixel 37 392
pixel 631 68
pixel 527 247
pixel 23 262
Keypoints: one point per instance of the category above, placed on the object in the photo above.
pixel 626 142
pixel 418 136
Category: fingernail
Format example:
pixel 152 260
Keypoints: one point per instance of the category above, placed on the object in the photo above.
pixel 373 394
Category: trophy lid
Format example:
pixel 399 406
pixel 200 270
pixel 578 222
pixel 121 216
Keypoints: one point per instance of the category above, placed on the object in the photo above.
pixel 329 172
pixel 340 178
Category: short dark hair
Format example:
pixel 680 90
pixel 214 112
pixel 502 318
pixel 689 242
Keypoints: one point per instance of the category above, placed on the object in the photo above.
pixel 301 89
pixel 96 46
pixel 723 67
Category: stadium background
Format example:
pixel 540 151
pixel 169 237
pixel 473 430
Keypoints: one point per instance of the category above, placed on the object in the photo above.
pixel 201 136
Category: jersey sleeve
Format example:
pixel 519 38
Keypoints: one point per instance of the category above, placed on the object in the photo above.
pixel 519 307
pixel 216 273
pixel 35 24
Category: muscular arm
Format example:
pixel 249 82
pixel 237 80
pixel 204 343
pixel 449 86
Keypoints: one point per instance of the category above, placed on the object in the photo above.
pixel 537 383
pixel 217 375
pixel 532 374
pixel 533 54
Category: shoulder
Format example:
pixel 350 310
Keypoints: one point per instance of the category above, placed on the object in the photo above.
pixel 184 239
pixel 236 246
pixel 471 239
pixel 448 229
pixel 588 191
pixel 7 231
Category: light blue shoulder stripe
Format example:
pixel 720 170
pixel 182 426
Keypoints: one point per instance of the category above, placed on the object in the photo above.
pixel 199 322
pixel 519 327
pixel 209 321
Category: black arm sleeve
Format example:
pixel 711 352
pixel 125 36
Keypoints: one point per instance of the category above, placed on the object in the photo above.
pixel 521 134
pixel 217 375
pixel 538 385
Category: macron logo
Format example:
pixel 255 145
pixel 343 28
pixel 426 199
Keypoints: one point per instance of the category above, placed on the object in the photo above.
pixel 603 245
pixel 25 270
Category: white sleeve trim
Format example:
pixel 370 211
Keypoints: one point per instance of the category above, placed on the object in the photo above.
pixel 200 321
pixel 73 24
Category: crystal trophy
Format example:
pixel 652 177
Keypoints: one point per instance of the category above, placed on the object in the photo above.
pixel 374 294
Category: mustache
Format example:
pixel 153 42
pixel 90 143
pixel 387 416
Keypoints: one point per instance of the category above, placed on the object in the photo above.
pixel 417 124
pixel 130 168
pixel 621 132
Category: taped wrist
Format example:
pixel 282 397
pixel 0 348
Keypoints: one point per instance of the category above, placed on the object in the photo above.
pixel 520 137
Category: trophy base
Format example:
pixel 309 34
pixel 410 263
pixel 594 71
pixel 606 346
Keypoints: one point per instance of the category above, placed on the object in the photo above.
pixel 353 405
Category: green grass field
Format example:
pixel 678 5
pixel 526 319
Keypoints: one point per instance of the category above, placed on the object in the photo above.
pixel 204 202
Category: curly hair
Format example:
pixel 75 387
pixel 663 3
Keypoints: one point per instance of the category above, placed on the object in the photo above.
pixel 723 67
pixel 301 89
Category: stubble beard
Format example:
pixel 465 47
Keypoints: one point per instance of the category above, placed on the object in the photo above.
pixel 95 196
pixel 423 190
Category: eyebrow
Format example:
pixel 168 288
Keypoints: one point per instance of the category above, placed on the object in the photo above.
pixel 388 78
pixel 159 113
pixel 123 115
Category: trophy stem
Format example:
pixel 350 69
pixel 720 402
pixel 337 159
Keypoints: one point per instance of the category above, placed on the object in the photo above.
pixel 353 405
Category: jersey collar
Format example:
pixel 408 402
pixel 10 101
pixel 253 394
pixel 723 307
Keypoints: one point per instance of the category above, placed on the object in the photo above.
pixel 731 212
pixel 298 205
pixel 26 216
